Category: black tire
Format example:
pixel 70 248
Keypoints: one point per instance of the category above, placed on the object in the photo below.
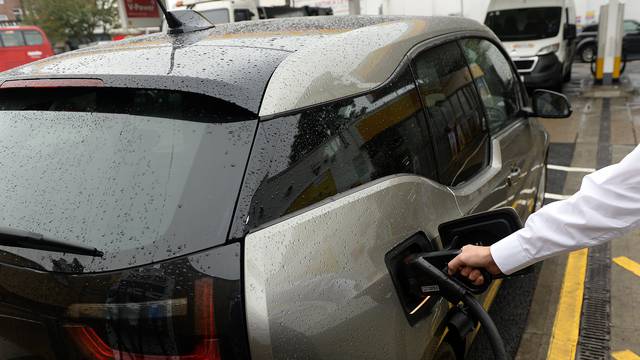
pixel 588 53
pixel 445 352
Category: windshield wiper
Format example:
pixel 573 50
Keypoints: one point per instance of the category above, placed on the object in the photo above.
pixel 30 240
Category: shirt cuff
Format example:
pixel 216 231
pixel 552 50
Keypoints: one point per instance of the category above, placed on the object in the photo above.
pixel 509 255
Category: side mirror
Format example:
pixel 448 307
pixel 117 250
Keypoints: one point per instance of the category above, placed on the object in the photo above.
pixel 550 104
pixel 570 31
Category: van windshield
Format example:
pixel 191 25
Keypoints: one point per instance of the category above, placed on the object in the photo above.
pixel 143 174
pixel 525 24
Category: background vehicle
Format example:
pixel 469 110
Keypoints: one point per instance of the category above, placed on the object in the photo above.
pixel 587 47
pixel 21 45
pixel 226 11
pixel 539 36
pixel 244 197
pixel 223 11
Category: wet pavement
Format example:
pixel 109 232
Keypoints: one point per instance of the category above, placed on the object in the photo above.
pixel 580 305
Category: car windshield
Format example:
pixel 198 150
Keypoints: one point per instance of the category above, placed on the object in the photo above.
pixel 525 24
pixel 145 174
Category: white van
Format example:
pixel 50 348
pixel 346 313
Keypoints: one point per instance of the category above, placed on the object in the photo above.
pixel 222 11
pixel 539 36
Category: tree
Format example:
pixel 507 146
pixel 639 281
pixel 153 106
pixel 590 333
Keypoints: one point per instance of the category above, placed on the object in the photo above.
pixel 71 20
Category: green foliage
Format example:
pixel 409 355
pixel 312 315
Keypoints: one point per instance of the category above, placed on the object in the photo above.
pixel 71 20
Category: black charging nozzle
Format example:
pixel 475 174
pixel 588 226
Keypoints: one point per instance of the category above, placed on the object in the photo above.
pixel 455 289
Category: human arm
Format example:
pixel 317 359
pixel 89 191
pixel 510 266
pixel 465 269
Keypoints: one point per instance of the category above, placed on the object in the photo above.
pixel 606 206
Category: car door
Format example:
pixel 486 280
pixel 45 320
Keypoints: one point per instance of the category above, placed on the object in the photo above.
pixel 35 47
pixel 469 162
pixel 631 45
pixel 335 189
pixel 522 141
pixel 13 53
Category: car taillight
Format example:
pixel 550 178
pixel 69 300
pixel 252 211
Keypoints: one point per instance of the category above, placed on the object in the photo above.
pixel 180 328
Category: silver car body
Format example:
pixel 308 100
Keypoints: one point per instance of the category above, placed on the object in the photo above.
pixel 316 284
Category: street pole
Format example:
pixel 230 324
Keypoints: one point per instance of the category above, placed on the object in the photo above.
pixel 462 8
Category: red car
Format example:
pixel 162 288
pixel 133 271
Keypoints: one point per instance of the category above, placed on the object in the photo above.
pixel 21 45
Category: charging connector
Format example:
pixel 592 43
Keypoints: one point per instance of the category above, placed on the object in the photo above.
pixel 455 291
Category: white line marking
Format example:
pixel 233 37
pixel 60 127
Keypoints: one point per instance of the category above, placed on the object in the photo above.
pixel 556 196
pixel 570 168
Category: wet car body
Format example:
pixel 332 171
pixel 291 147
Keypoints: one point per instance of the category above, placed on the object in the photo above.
pixel 245 184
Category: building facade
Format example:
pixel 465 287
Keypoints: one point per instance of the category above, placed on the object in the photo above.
pixel 10 10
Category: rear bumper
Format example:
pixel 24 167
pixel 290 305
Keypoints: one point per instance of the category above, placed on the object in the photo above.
pixel 546 73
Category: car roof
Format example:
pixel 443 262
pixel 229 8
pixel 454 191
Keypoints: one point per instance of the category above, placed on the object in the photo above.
pixel 266 66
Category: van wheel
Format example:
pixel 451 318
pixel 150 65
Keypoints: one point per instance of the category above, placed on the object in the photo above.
pixel 445 352
pixel 588 53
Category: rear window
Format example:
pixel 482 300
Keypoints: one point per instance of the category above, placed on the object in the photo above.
pixel 32 38
pixel 144 174
pixel 9 38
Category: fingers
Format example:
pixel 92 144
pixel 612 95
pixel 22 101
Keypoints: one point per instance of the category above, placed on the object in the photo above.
pixel 476 277
pixel 455 265
pixel 466 271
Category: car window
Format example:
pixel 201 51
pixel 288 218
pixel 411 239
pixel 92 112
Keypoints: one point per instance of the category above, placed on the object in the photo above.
pixel 496 82
pixel 630 26
pixel 11 38
pixel 242 15
pixel 306 157
pixel 590 28
pixel 216 16
pixel 454 113
pixel 32 38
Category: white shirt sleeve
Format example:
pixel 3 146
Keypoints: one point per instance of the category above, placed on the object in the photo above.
pixel 606 206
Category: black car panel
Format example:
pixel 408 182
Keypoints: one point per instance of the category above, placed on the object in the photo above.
pixel 188 306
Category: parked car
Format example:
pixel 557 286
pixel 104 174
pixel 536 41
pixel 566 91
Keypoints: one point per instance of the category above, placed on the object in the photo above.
pixel 232 192
pixel 21 45
pixel 539 36
pixel 588 42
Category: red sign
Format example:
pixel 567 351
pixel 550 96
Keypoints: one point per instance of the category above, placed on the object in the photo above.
pixel 141 9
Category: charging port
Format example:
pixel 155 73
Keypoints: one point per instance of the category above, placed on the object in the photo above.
pixel 409 283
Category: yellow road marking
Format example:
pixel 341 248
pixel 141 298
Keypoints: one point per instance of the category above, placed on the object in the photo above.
pixel 491 294
pixel 566 326
pixel 625 355
pixel 628 264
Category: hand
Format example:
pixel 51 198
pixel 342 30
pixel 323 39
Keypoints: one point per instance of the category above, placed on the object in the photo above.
pixel 470 260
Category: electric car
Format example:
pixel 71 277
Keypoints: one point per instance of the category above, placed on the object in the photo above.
pixel 232 192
